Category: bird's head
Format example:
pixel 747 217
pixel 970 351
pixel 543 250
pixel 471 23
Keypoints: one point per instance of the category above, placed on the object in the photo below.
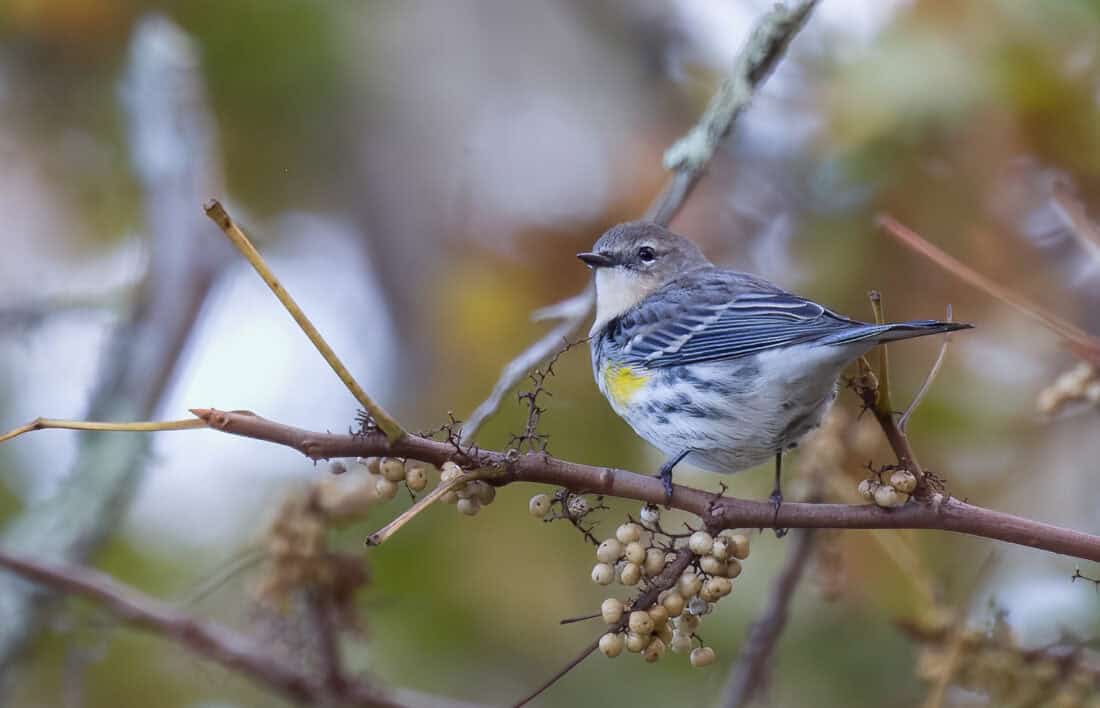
pixel 632 260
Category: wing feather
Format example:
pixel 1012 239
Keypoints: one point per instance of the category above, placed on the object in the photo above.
pixel 713 321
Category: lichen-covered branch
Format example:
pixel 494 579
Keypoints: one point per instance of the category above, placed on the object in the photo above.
pixel 688 159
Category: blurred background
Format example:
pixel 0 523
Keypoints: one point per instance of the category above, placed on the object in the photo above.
pixel 420 175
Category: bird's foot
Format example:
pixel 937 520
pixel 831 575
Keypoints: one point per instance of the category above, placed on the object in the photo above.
pixel 666 480
pixel 776 499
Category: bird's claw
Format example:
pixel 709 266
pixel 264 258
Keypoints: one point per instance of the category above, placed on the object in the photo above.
pixel 776 499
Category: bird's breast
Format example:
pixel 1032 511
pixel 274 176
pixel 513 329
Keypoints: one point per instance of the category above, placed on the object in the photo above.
pixel 622 384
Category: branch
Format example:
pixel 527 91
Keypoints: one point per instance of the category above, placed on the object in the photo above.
pixel 751 670
pixel 385 422
pixel 206 639
pixel 937 512
pixel 690 155
pixel 1080 342
pixel 688 159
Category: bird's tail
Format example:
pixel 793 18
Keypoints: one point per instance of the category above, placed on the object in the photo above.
pixel 896 330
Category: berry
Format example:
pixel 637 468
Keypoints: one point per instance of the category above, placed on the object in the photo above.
pixel 612 610
pixel 539 506
pixel 611 644
pixel 609 551
pixel 602 574
pixel 700 543
pixel 702 656
pixel 393 469
pixel 628 533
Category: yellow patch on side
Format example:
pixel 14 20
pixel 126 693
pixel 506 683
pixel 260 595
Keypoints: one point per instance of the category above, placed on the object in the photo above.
pixel 622 383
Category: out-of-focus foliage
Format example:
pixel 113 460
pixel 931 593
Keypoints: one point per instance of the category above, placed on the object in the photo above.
pixel 467 151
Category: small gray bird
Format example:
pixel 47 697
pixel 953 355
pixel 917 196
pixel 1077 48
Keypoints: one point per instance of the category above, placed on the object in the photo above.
pixel 721 368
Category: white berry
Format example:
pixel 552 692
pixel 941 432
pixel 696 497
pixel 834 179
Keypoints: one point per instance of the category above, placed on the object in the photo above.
pixel 628 533
pixel 640 622
pixel 539 506
pixel 393 469
pixel 611 644
pixel 609 551
pixel 702 656
pixel 602 574
pixel 700 543
pixel 630 574
pixel 612 610
pixel 634 552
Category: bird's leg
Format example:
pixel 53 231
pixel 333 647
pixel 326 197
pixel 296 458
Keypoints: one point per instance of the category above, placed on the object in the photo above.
pixel 666 473
pixel 776 497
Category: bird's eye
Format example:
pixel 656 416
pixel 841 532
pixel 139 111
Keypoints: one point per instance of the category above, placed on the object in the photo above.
pixel 647 254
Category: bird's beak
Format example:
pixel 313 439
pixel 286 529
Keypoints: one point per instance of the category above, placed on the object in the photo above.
pixel 595 260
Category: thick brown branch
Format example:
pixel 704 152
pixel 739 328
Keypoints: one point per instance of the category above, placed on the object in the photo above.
pixel 938 512
pixel 207 639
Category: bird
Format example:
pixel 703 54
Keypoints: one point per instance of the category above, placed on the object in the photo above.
pixel 721 369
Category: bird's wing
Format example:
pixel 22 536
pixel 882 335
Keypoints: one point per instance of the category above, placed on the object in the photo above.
pixel 659 332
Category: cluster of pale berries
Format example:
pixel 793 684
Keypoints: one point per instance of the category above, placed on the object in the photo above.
pixel 888 488
pixel 632 557
pixel 385 476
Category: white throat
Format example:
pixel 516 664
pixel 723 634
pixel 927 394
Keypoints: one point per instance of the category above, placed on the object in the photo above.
pixel 617 290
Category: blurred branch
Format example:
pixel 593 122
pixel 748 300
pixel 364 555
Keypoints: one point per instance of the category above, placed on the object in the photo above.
pixel 928 379
pixel 750 672
pixel 385 422
pixel 1080 342
pixel 236 652
pixel 173 153
pixel 688 159
pixel 936 512
pixel 1080 225
pixel 690 156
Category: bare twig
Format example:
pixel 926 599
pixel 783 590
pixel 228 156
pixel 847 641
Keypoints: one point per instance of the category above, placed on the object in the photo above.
pixel 936 512
pixel 1080 342
pixel 385 422
pixel 206 639
pixel 1081 226
pixel 145 426
pixel 750 672
pixel 927 383
pixel 688 159
pixel 516 369
pixel 379 537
